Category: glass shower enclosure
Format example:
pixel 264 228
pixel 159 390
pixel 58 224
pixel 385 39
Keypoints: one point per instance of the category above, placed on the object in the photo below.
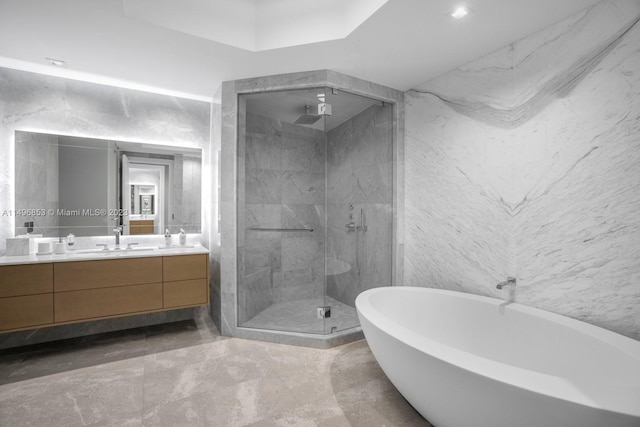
pixel 315 207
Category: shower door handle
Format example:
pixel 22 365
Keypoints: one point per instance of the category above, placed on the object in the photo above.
pixel 363 222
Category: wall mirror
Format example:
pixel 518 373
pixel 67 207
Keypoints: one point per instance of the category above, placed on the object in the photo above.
pixel 87 186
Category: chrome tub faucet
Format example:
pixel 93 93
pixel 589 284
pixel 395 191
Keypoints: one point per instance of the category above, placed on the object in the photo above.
pixel 509 281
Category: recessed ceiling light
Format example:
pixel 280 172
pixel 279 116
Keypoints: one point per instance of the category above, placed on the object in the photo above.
pixel 56 62
pixel 460 12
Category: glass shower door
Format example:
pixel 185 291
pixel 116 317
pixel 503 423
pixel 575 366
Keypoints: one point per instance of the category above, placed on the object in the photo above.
pixel 314 207
pixel 359 202
pixel 282 199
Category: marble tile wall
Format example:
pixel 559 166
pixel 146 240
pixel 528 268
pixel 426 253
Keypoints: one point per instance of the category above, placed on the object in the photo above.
pixel 48 104
pixel 525 163
pixel 360 178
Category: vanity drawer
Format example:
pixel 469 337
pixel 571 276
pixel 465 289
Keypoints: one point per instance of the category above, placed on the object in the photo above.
pixel 184 267
pixel 26 311
pixel 27 279
pixel 106 302
pixel 76 275
pixel 184 293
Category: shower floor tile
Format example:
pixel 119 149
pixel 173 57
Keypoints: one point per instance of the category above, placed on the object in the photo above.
pixel 301 316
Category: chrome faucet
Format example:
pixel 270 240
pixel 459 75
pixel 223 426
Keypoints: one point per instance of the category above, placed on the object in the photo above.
pixel 116 232
pixel 509 281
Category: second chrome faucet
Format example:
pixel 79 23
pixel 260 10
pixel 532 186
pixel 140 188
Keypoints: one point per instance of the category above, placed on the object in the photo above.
pixel 117 231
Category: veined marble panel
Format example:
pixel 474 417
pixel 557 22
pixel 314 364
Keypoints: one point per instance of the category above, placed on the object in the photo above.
pixel 362 140
pixel 303 151
pixel 361 184
pixel 303 188
pixel 457 227
pixel 525 163
pixel 260 253
pixel 263 186
pixel 303 217
pixel 513 84
pixel 255 294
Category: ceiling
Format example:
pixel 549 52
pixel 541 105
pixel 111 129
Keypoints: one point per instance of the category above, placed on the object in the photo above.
pixel 157 46
pixel 257 25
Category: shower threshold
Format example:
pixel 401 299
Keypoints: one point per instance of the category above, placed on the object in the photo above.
pixel 301 316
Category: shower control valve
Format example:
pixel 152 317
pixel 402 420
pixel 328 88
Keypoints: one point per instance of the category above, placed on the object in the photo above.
pixel 351 227
pixel 323 312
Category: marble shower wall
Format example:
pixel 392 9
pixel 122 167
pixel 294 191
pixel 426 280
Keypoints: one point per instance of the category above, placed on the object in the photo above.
pixel 360 177
pixel 284 188
pixel 525 163
pixel 39 103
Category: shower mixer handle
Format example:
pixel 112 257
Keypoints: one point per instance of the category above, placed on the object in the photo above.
pixel 351 227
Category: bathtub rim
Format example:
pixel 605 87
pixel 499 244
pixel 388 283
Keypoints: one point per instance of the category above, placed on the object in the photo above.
pixel 593 394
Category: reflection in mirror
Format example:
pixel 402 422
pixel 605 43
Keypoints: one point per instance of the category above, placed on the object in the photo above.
pixel 142 199
pixel 88 186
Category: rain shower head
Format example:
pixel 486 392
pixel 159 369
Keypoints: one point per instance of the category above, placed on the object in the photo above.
pixel 307 119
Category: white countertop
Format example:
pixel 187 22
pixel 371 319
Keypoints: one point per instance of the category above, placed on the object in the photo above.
pixel 98 254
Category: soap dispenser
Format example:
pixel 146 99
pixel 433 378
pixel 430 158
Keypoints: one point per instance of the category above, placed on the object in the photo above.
pixel 167 238
pixel 59 247
pixel 183 237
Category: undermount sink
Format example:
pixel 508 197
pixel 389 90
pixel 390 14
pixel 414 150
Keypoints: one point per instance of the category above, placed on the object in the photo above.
pixel 98 253
pixel 176 247
pixel 108 253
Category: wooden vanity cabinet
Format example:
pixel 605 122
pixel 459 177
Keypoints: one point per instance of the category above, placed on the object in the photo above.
pixel 26 296
pixel 185 280
pixel 34 295
pixel 104 288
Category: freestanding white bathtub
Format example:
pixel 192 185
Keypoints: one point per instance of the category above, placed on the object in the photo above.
pixel 466 360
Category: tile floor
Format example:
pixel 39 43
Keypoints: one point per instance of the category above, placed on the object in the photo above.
pixel 301 316
pixel 186 374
